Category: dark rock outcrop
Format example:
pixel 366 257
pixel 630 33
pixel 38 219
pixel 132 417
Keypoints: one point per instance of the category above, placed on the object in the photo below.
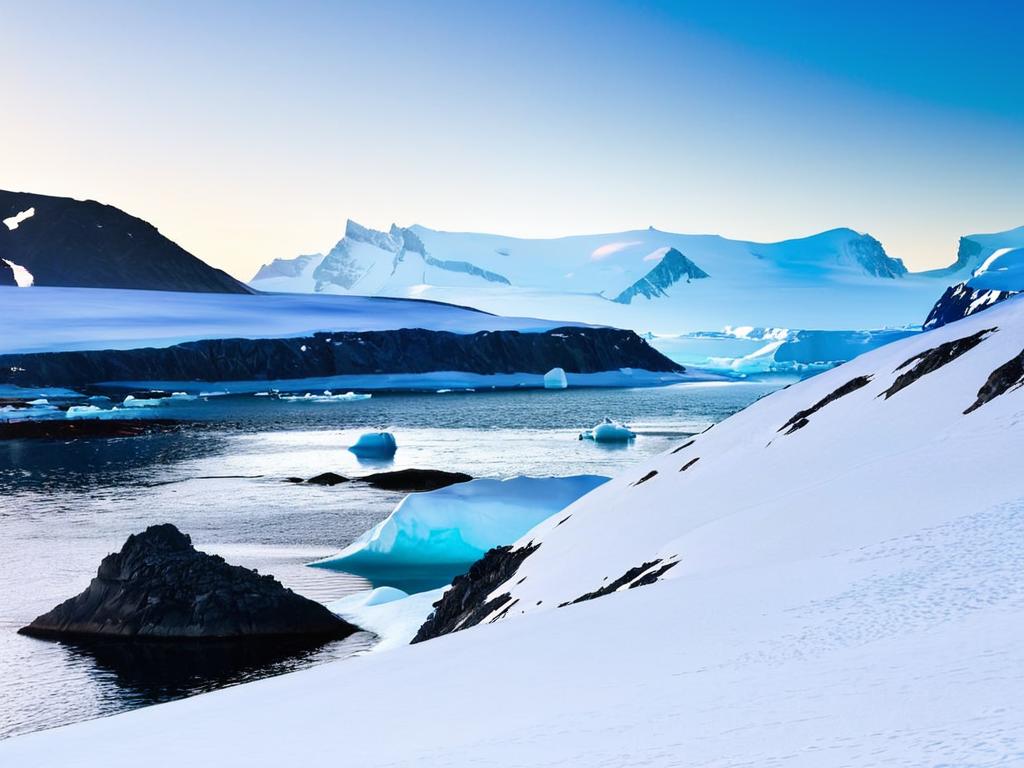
pixel 672 268
pixel 800 419
pixel 328 478
pixel 932 359
pixel 87 244
pixel 6 274
pixel 415 480
pixel 1007 376
pixel 466 604
pixel 59 429
pixel 960 301
pixel 638 576
pixel 160 587
pixel 406 350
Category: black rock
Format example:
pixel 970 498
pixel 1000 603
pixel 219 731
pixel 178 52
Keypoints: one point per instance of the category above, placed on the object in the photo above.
pixel 960 301
pixel 160 587
pixel 466 604
pixel 59 429
pixel 327 478
pixel 405 350
pixel 414 480
pixel 87 244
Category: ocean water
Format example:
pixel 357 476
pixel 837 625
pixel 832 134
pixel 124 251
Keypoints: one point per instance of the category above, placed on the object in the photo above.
pixel 64 505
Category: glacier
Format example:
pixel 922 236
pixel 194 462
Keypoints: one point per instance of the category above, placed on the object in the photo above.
pixel 430 538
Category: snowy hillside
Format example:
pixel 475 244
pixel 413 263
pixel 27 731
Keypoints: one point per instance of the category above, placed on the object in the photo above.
pixel 834 576
pixel 998 274
pixel 646 280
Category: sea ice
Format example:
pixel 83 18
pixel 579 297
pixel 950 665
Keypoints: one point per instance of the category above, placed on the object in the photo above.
pixel 375 445
pixel 326 397
pixel 432 537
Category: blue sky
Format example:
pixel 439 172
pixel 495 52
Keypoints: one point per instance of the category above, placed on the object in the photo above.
pixel 247 131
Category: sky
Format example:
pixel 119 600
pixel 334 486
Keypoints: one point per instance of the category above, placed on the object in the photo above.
pixel 250 131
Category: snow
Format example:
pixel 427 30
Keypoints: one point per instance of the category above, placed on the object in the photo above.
pixel 12 222
pixel 431 537
pixel 850 594
pixel 375 445
pixel 751 351
pixel 832 280
pixel 47 319
pixel 1002 271
pixel 22 276
pixel 555 379
pixel 389 613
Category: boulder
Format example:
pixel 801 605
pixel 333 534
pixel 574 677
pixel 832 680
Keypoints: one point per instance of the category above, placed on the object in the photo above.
pixel 159 587
pixel 415 480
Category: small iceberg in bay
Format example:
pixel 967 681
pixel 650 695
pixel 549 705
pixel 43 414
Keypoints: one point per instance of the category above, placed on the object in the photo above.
pixel 375 445
pixel 609 431
pixel 555 379
pixel 326 397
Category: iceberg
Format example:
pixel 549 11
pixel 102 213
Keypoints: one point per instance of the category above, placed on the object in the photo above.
pixel 375 445
pixel 326 397
pixel 609 431
pixel 430 538
pixel 555 379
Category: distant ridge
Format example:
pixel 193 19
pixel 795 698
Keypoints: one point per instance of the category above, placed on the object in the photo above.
pixel 82 243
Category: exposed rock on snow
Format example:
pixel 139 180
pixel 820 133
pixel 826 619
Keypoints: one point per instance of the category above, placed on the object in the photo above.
pixel 468 601
pixel 672 268
pixel 160 586
pixel 932 359
pixel 1008 376
pixel 638 576
pixel 799 420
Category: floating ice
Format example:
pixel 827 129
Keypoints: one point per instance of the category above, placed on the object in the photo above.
pixel 432 537
pixel 149 402
pixel 77 411
pixel 375 445
pixel 326 397
pixel 555 379
pixel 609 431
pixel 391 614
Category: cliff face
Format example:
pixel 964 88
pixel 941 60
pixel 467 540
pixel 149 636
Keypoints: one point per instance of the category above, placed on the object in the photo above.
pixel 408 350
pixel 960 301
pixel 86 244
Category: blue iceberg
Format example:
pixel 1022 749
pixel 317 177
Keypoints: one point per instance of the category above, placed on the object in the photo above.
pixel 430 538
pixel 375 445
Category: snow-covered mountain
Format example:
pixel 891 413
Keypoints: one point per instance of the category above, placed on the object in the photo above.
pixel 647 280
pixel 996 262
pixel 833 576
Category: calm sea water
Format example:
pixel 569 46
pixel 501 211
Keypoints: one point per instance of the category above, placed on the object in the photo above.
pixel 65 505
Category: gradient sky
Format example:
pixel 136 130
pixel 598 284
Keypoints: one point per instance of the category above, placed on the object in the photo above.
pixel 248 131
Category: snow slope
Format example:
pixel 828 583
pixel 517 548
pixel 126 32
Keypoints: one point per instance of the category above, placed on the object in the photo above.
pixel 850 593
pixel 46 319
pixel 646 280
pixel 997 261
